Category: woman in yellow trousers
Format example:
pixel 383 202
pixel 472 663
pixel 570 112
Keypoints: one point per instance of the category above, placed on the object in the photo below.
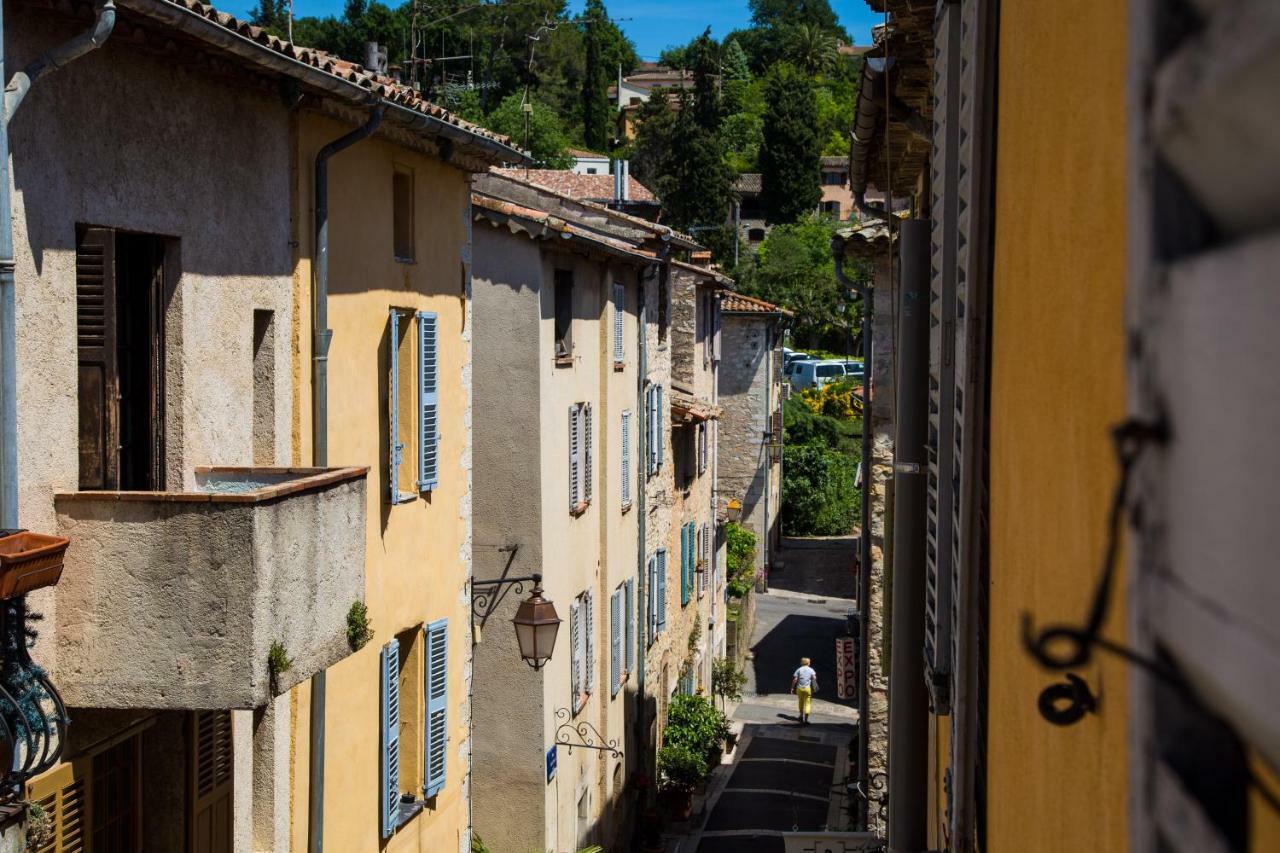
pixel 804 684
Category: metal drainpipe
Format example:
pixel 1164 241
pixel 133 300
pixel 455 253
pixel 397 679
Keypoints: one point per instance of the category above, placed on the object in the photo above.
pixel 321 336
pixel 17 88
pixel 864 538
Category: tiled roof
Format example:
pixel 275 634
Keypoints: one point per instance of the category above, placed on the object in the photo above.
pixel 545 224
pixel 385 88
pixel 749 182
pixel 580 187
pixel 688 408
pixel 740 303
pixel 836 160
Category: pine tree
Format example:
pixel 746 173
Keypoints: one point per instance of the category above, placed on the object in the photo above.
pixel 695 185
pixel 790 154
pixel 703 62
pixel 595 80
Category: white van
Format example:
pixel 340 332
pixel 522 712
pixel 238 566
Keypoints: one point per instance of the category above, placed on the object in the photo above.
pixel 815 374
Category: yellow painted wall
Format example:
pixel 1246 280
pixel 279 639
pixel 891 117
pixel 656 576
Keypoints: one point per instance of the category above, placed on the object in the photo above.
pixel 1057 385
pixel 417 554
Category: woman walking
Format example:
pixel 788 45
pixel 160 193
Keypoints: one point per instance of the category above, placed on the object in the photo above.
pixel 804 684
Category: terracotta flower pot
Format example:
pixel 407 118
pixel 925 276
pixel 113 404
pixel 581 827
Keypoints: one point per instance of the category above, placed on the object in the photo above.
pixel 30 561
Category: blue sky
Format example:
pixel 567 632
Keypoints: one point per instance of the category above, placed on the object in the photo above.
pixel 651 24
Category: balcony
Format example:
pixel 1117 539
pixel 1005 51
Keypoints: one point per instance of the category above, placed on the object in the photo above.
pixel 174 599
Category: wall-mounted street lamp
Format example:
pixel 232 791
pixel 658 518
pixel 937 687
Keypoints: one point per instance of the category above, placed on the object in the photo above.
pixel 536 621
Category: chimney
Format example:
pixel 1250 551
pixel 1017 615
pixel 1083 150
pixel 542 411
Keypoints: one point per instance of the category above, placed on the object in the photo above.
pixel 375 57
pixel 619 181
pixel 700 258
pixel 626 181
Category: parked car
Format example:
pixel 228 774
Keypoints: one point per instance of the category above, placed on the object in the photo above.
pixel 815 374
pixel 792 366
pixel 789 356
pixel 853 369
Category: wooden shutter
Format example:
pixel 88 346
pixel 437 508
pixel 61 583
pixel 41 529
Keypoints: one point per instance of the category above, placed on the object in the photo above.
pixel 586 452
pixel 99 382
pixel 63 794
pixel 684 564
pixel 428 401
pixel 575 457
pixel 395 447
pixel 575 646
pixel 715 334
pixel 390 707
pixel 619 304
pixel 211 767
pixel 651 601
pixel 702 447
pixel 436 739
pixel 626 458
pixel 589 646
pixel 661 569
pixel 660 424
pixel 615 641
pixel 651 427
pixel 630 642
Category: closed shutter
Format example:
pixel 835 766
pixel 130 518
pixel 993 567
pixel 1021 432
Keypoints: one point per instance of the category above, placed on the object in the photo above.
pixel 630 605
pixel 575 646
pixel 702 447
pixel 587 433
pixel 685 569
pixel 651 427
pixel 211 789
pixel 99 384
pixel 660 432
pixel 390 706
pixel 63 794
pixel 626 458
pixel 619 303
pixel 436 760
pixel 615 641
pixel 661 569
pixel 575 457
pixel 651 601
pixel 589 650
pixel 715 335
pixel 428 401
pixel 395 453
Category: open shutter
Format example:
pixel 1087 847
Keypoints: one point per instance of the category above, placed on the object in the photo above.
pixel 715 325
pixel 685 568
pixel 619 303
pixel 589 647
pixel 437 692
pixel 428 402
pixel 395 454
pixel 651 601
pixel 575 648
pixel 615 641
pixel 661 569
pixel 651 428
pixel 626 458
pixel 96 358
pixel 390 797
pixel 661 430
pixel 62 793
pixel 586 452
pixel 575 457
pixel 702 447
pixel 630 641
pixel 211 759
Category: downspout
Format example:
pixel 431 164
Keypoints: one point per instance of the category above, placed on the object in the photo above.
pixel 15 90
pixel 321 336
pixel 867 292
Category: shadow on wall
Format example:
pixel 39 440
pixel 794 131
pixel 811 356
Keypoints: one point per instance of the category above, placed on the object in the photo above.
pixel 778 653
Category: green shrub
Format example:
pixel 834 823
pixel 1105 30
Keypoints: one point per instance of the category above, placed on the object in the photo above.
pixel 692 721
pixel 727 680
pixel 359 627
pixel 740 559
pixel 680 768
pixel 818 493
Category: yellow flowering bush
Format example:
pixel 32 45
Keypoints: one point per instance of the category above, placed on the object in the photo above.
pixel 837 400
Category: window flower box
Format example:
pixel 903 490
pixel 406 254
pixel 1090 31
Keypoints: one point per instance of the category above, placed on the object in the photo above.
pixel 30 561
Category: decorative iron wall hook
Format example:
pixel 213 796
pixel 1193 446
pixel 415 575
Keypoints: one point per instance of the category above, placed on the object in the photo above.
pixel 582 735
pixel 1066 703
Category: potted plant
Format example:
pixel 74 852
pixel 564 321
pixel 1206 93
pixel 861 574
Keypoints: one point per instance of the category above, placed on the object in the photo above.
pixel 29 561
pixel 649 833
pixel 680 770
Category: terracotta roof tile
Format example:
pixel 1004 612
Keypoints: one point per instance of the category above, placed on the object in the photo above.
pixel 740 303
pixel 580 187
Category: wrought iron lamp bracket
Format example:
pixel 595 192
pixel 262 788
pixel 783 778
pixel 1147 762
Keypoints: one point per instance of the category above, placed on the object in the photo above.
pixel 485 594
pixel 586 735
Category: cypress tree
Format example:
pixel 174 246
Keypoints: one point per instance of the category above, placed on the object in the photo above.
pixel 595 79
pixel 790 153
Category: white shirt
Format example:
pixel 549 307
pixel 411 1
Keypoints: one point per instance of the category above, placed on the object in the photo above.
pixel 805 676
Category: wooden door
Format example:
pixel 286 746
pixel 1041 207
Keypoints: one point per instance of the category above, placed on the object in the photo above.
pixel 210 766
pixel 115 798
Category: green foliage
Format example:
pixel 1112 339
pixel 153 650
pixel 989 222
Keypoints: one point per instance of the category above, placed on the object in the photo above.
pixel 740 559
pixel 767 14
pixel 680 768
pixel 596 113
pixel 478 845
pixel 790 150
pixel 546 139
pixel 695 634
pixel 278 663
pixel 811 48
pixel 805 427
pixel 359 626
pixel 839 400
pixel 818 494
pixel 686 169
pixel 727 680
pixel 695 723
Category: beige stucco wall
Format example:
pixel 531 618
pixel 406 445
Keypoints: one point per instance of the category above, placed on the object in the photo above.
pixel 418 553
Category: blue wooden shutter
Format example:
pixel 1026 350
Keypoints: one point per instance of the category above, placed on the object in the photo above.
pixel 575 464
pixel 630 604
pixel 586 452
pixel 395 446
pixel 575 651
pixel 619 303
pixel 626 458
pixel 661 569
pixel 615 641
pixel 651 428
pixel 660 431
pixel 436 760
pixel 390 797
pixel 684 564
pixel 651 601
pixel 589 646
pixel 428 402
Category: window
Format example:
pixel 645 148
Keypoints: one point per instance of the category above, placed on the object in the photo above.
pixel 580 453
pixel 755 235
pixel 414 712
pixel 120 303
pixel 654 434
pixel 831 208
pixel 664 304
pixel 619 307
pixel 582 646
pixel 702 447
pixel 412 415
pixel 93 802
pixel 626 459
pixel 264 388
pixel 564 316
pixel 686 563
pixel 402 212
pixel 656 610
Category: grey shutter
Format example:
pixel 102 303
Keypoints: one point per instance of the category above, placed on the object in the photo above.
pixel 615 641
pixel 395 453
pixel 651 601
pixel 575 651
pixel 428 401
pixel 651 427
pixel 715 335
pixel 630 604
pixel 661 569
pixel 703 450
pixel 619 304
pixel 589 647
pixel 437 693
pixel 587 433
pixel 626 458
pixel 660 432
pixel 575 457
pixel 390 753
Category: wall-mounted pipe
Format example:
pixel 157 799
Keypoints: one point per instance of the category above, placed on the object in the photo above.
pixel 321 336
pixel 14 93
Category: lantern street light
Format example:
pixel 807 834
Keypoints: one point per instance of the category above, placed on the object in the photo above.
pixel 536 621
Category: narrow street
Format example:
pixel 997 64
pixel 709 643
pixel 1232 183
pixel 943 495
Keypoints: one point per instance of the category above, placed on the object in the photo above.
pixel 785 777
